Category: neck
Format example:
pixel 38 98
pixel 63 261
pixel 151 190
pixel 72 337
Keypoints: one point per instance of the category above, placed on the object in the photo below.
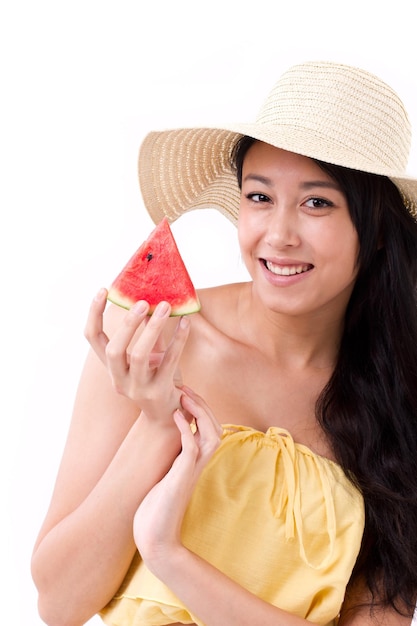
pixel 294 342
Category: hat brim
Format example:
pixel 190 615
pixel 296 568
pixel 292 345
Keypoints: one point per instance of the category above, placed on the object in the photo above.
pixel 190 168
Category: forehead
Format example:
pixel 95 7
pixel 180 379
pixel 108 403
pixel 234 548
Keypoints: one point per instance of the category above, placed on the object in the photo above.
pixel 271 161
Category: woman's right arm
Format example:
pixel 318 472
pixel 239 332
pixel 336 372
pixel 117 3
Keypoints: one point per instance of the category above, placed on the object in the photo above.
pixel 113 456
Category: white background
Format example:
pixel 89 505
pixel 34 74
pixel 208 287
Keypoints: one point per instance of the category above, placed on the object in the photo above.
pixel 81 84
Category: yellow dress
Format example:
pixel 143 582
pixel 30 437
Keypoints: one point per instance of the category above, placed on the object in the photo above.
pixel 281 521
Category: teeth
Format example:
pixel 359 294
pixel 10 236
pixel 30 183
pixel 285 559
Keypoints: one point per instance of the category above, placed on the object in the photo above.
pixel 286 270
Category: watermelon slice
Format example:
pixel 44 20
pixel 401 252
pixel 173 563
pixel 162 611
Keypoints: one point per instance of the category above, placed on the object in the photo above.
pixel 156 272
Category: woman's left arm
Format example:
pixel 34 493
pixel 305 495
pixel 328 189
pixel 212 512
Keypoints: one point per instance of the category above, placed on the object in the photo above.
pixel 210 595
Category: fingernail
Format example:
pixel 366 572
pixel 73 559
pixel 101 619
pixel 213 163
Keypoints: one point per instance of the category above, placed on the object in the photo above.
pixel 140 307
pixel 162 309
pixel 188 395
pixel 100 294
pixel 184 322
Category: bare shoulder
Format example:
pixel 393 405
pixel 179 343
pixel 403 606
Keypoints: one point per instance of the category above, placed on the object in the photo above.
pixel 220 305
pixel 229 293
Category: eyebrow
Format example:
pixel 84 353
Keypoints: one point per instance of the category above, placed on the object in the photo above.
pixel 260 179
pixel 329 184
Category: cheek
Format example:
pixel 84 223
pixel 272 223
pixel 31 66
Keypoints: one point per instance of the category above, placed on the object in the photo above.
pixel 243 230
pixel 247 239
pixel 350 245
pixel 345 249
pixel 243 242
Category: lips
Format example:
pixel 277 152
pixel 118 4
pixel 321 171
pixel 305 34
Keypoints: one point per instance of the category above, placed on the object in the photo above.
pixel 287 269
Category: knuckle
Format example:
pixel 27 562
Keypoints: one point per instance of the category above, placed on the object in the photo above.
pixel 89 333
pixel 149 396
pixel 112 353
pixel 136 358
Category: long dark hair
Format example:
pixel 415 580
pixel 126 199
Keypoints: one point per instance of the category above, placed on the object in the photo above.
pixel 368 409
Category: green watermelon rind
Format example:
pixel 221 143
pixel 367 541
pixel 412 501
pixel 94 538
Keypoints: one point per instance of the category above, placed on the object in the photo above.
pixel 191 306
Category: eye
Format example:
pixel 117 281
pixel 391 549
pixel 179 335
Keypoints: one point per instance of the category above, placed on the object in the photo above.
pixel 257 197
pixel 318 203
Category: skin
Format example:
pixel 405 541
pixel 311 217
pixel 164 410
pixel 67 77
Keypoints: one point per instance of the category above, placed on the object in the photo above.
pixel 244 358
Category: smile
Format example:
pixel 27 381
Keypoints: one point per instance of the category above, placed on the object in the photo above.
pixel 287 270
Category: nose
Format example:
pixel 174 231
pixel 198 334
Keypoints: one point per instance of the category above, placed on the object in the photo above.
pixel 282 228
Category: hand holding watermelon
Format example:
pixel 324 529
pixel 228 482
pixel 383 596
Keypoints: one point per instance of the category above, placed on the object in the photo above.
pixel 155 280
pixel 142 363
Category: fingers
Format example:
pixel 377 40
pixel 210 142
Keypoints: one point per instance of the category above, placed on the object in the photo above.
pixel 140 364
pixel 194 404
pixel 187 438
pixel 94 327
pixel 150 352
pixel 117 349
pixel 149 347
pixel 170 363
pixel 187 467
pixel 208 432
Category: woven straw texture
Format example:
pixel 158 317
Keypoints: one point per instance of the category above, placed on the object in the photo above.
pixel 335 113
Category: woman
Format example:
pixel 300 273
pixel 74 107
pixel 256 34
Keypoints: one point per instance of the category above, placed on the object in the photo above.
pixel 308 490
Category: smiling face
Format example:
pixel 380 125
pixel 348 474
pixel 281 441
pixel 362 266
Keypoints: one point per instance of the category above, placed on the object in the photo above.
pixel 296 235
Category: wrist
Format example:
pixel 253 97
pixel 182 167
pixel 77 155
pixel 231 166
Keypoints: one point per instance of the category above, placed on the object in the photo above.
pixel 161 411
pixel 167 562
pixel 151 423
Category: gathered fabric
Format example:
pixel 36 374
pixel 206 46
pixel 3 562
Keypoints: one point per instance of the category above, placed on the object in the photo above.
pixel 283 522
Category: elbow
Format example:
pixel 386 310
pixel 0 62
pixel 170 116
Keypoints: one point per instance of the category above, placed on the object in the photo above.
pixel 48 614
pixel 56 612
pixel 56 608
pixel 62 610
pixel 66 600
pixel 53 615
pixel 64 613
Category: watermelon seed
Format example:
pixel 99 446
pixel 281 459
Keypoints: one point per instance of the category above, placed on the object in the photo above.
pixel 149 256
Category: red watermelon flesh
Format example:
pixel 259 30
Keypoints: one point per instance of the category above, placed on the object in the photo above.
pixel 156 272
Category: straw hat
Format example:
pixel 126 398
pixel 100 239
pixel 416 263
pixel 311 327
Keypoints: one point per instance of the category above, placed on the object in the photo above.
pixel 332 112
